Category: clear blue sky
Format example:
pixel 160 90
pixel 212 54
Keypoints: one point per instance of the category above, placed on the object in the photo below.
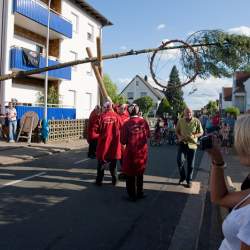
pixel 136 21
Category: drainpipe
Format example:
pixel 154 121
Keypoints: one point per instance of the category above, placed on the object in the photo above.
pixel 3 54
pixel 47 62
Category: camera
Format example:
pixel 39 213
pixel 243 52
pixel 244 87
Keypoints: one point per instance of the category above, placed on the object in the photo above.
pixel 206 142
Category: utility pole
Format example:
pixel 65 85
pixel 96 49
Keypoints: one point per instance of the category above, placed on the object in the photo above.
pixel 47 64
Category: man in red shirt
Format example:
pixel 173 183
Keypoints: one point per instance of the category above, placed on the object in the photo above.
pixel 134 135
pixel 92 136
pixel 108 146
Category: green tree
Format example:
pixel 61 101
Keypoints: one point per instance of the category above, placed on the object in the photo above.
pixel 53 96
pixel 173 92
pixel 233 111
pixel 225 54
pixel 113 91
pixel 164 107
pixel 212 107
pixel 145 103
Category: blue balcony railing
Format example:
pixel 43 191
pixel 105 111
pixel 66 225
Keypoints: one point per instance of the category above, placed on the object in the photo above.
pixel 37 12
pixel 17 62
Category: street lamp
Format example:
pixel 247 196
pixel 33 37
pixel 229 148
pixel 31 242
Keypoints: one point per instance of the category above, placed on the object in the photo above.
pixel 47 63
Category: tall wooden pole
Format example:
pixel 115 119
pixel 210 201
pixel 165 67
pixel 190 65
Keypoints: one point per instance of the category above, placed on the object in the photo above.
pixel 99 58
pixel 99 55
pixel 98 76
pixel 19 74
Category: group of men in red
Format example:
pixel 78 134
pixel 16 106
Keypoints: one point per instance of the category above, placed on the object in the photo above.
pixel 119 133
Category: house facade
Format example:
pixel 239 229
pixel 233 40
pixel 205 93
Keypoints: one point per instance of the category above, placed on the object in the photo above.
pixel 225 98
pixel 139 87
pixel 74 25
pixel 240 93
pixel 247 89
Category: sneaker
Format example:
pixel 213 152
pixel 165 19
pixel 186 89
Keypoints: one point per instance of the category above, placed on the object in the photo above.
pixel 181 181
pixel 11 141
pixel 189 185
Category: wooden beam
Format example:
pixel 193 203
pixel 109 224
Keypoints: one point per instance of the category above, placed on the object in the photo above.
pixel 98 76
pixel 99 55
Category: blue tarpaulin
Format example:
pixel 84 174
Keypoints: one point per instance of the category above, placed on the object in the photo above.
pixel 53 113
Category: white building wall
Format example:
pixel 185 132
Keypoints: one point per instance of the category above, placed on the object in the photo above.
pixel 247 88
pixel 29 93
pixel 23 43
pixel 137 87
pixel 83 83
pixel 7 38
pixel 226 104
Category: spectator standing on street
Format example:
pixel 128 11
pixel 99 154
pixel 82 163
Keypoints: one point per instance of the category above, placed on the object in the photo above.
pixel 188 130
pixel 230 120
pixel 108 146
pixel 224 132
pixel 92 136
pixel 11 116
pixel 236 226
pixel 134 135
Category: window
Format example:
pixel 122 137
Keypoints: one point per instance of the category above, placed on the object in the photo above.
pixel 75 22
pixel 143 94
pixel 90 32
pixel 73 57
pixel 130 95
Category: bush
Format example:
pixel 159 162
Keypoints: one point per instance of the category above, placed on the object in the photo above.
pixel 145 103
pixel 233 111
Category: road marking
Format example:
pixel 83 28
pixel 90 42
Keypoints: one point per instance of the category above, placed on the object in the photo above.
pixel 24 179
pixel 77 162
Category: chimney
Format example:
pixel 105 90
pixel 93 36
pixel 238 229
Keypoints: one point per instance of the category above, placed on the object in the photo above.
pixel 145 78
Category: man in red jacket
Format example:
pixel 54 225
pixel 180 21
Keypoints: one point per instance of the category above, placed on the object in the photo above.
pixel 134 135
pixel 92 136
pixel 124 116
pixel 108 146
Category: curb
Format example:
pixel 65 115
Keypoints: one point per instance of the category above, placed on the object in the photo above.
pixel 49 151
pixel 192 215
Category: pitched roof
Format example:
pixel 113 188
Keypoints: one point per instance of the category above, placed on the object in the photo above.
pixel 158 93
pixel 227 94
pixel 92 12
pixel 240 78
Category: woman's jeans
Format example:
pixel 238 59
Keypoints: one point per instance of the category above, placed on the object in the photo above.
pixel 12 130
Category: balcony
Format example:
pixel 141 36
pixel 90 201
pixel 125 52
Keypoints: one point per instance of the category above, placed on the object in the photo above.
pixel 33 15
pixel 17 63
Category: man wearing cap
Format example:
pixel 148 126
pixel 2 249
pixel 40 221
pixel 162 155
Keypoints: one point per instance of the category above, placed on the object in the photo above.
pixel 108 146
pixel 92 136
pixel 134 135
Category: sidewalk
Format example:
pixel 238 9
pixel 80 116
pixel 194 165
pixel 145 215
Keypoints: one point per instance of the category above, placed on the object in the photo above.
pixel 14 153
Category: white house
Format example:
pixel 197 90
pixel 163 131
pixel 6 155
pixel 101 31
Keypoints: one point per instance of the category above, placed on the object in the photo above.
pixel 240 91
pixel 74 25
pixel 139 87
pixel 226 98
pixel 247 89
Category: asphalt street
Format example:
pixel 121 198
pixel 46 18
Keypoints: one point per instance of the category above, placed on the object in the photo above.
pixel 52 203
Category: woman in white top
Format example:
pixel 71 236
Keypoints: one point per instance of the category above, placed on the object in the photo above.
pixel 236 226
